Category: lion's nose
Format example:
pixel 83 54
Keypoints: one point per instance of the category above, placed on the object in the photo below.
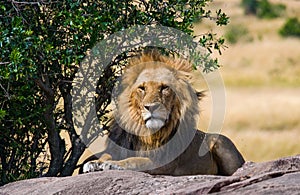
pixel 151 107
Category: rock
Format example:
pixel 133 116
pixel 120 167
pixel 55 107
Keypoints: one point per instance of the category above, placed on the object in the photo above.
pixel 281 176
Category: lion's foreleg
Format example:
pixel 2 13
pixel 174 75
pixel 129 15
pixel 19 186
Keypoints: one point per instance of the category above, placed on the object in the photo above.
pixel 134 163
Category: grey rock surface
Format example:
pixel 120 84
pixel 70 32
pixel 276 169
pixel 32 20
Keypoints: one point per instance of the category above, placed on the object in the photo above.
pixel 280 176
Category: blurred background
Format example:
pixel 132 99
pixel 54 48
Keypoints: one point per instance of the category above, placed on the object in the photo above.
pixel 261 72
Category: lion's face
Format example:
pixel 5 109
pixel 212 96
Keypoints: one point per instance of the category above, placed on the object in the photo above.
pixel 154 102
pixel 156 98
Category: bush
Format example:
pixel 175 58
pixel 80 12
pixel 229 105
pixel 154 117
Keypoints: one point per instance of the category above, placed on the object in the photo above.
pixel 268 10
pixel 235 33
pixel 263 8
pixel 291 28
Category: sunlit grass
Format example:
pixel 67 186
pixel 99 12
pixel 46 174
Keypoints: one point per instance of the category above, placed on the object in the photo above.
pixel 264 109
pixel 252 81
pixel 261 145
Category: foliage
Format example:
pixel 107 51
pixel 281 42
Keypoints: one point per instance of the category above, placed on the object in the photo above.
pixel 22 131
pixel 291 28
pixel 41 46
pixel 235 33
pixel 268 10
pixel 263 8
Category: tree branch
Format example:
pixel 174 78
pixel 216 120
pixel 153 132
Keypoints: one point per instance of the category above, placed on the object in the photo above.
pixel 45 88
pixel 77 146
pixel 56 144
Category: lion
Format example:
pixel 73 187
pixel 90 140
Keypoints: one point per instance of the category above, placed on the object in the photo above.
pixel 155 125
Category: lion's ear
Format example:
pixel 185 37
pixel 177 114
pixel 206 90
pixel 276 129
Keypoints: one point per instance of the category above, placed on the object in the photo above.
pixel 200 94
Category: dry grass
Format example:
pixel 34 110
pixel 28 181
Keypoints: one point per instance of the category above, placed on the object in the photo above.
pixel 262 79
pixel 259 145
pixel 273 63
pixel 264 123
pixel 266 109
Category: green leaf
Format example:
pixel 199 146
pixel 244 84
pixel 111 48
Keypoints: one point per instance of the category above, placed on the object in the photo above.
pixel 2 114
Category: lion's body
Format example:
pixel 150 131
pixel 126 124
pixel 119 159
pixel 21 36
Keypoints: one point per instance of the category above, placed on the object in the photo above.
pixel 154 129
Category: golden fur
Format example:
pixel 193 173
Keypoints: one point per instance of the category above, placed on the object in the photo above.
pixel 156 105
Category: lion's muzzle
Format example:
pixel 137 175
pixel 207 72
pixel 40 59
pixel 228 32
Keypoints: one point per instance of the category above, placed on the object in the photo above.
pixel 155 115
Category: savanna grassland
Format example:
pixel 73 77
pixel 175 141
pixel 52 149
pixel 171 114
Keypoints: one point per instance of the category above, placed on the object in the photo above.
pixel 261 72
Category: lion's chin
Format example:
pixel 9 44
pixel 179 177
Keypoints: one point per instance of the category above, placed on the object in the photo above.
pixel 154 124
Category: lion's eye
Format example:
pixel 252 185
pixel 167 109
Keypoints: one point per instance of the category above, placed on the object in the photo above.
pixel 141 89
pixel 164 89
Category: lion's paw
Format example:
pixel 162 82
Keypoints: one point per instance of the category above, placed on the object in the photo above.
pixel 96 166
pixel 91 167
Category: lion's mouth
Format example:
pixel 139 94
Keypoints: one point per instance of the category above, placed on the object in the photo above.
pixel 154 118
pixel 154 124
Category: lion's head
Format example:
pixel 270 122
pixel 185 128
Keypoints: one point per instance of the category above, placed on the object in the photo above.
pixel 154 103
pixel 155 97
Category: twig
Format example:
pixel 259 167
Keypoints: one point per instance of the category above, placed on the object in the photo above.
pixel 5 91
pixel 28 3
pixel 45 88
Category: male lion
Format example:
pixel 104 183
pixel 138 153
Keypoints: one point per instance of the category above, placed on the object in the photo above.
pixel 154 129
